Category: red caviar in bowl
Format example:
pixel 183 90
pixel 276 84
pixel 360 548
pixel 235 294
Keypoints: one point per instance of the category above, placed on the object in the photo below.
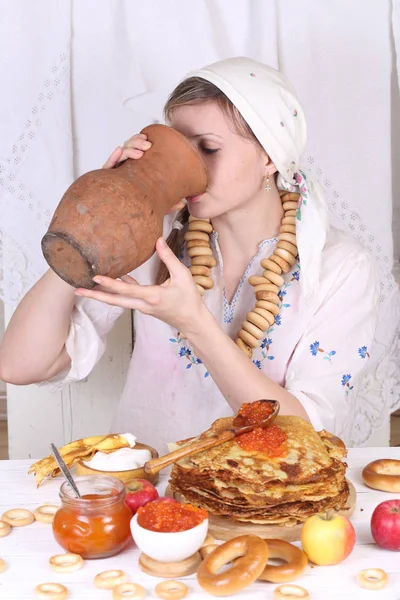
pixel 168 517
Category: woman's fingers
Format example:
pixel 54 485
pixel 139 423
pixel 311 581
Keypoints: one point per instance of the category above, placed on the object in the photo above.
pixel 114 299
pixel 131 289
pixel 128 279
pixel 113 159
pixel 138 143
pixel 135 147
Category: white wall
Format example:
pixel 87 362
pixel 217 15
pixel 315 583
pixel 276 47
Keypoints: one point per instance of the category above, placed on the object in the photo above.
pixel 2 384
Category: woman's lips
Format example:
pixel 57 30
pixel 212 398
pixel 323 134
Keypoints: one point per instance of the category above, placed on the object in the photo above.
pixel 193 198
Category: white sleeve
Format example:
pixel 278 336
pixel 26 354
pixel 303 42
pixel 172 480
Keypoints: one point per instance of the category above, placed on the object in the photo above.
pixel 86 342
pixel 336 344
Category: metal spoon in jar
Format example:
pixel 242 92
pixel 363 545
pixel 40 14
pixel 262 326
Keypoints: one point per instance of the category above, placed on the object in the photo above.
pixel 65 471
pixel 157 464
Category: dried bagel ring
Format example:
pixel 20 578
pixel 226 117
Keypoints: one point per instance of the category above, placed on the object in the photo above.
pixel 134 591
pixel 290 196
pixel 253 330
pixel 248 339
pixel 258 320
pixel 107 580
pixel 289 220
pixel 199 251
pixel 295 562
pixel 200 225
pixel 191 218
pixel 292 248
pixel 244 347
pixel 373 579
pixel 288 237
pixel 196 235
pixel 45 513
pixel 268 306
pixel 256 280
pixel 283 592
pixel 18 517
pixel 383 474
pixel 266 287
pixel 3 565
pixel 200 270
pixel 51 591
pixel 5 528
pixel 288 229
pixel 265 314
pixel 197 243
pixel 251 554
pixel 273 278
pixel 201 289
pixel 284 265
pixel 267 295
pixel 209 540
pixel 171 590
pixel 204 261
pixel 206 550
pixel 205 282
pixel 286 255
pixel 66 563
pixel 290 213
pixel 271 265
pixel 289 205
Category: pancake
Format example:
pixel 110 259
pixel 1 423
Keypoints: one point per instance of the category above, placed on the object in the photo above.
pixel 250 486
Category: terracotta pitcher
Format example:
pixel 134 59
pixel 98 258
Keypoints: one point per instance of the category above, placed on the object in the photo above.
pixel 108 221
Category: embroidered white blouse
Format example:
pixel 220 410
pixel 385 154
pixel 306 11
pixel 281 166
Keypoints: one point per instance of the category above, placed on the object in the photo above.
pixel 314 351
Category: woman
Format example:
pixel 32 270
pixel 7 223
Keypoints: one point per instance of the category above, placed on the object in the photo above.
pixel 248 125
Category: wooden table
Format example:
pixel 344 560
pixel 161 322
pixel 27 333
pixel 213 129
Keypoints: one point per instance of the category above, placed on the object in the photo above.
pixel 27 550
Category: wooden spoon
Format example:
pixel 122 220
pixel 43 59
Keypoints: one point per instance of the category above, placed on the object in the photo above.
pixel 157 464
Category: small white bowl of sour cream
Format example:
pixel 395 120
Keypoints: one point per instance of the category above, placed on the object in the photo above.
pixel 169 546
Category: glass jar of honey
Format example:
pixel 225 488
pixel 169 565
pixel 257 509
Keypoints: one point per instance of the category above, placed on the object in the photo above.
pixel 98 524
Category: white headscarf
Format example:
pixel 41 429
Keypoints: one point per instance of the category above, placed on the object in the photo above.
pixel 268 103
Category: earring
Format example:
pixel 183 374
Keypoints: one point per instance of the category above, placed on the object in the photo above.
pixel 267 186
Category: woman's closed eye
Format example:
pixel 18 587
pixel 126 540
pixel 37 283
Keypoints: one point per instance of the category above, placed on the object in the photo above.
pixel 208 150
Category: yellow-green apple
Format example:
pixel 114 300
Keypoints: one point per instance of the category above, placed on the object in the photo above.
pixel 385 524
pixel 327 538
pixel 138 493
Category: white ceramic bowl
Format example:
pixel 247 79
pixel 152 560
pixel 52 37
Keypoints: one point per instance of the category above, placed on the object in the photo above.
pixel 169 546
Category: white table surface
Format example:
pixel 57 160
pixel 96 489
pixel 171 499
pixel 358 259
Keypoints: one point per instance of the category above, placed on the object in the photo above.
pixel 27 549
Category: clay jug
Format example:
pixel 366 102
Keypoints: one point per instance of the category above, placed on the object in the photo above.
pixel 108 221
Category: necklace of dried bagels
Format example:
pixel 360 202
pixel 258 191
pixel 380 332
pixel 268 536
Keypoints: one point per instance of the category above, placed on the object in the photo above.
pixel 266 286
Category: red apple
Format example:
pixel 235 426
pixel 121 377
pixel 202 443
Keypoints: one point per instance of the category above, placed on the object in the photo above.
pixel 327 538
pixel 138 493
pixel 166 499
pixel 385 524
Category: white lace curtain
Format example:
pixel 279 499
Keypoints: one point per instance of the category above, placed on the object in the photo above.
pixel 126 55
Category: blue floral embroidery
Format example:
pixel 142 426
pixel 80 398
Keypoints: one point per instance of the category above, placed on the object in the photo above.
pixel 296 275
pixel 283 292
pixel 363 352
pixel 185 352
pixel 315 348
pixel 265 346
pixel 346 383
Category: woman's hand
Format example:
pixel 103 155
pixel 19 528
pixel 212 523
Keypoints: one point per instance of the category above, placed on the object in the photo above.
pixel 177 302
pixel 135 147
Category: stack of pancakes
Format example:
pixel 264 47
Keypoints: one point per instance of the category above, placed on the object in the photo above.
pixel 251 486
